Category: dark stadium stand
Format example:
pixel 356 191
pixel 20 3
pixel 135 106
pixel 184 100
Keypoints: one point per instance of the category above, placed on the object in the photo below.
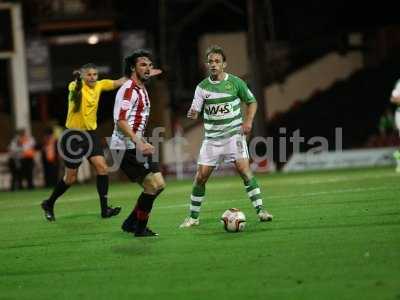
pixel 355 105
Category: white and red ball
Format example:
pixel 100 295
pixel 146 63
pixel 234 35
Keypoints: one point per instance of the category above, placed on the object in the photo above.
pixel 234 220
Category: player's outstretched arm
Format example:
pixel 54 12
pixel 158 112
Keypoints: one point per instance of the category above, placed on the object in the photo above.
pixel 117 83
pixel 155 72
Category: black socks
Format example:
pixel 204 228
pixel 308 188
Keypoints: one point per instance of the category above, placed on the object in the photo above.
pixel 140 215
pixel 58 190
pixel 102 189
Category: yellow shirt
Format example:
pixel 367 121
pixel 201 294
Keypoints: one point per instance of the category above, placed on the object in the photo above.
pixel 86 117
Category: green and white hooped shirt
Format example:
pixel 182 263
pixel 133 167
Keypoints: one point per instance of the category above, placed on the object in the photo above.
pixel 220 102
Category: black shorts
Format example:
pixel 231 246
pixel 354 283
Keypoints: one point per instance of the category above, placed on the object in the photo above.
pixel 74 145
pixel 137 167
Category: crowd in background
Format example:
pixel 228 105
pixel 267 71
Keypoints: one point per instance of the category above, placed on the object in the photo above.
pixel 22 151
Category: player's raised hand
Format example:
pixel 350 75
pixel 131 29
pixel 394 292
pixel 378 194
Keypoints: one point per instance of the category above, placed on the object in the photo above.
pixel 76 74
pixel 155 72
pixel 192 114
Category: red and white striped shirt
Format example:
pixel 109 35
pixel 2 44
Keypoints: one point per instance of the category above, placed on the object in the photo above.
pixel 133 105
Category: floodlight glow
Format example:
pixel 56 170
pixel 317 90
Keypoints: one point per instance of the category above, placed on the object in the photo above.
pixel 93 39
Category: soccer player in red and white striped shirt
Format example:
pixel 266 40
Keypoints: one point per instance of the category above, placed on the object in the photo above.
pixel 131 113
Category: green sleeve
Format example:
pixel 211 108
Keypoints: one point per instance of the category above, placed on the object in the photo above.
pixel 244 92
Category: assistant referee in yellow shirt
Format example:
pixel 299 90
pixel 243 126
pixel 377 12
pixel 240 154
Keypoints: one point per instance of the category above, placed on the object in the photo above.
pixel 80 140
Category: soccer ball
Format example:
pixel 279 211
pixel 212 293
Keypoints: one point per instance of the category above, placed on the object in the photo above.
pixel 234 220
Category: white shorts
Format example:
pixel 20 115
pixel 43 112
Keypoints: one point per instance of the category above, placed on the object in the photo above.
pixel 397 118
pixel 213 153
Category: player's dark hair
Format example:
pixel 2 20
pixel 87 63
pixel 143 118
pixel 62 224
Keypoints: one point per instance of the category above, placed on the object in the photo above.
pixel 131 60
pixel 89 66
pixel 217 50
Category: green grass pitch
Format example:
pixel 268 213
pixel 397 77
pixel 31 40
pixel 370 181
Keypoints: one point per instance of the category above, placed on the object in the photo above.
pixel 335 235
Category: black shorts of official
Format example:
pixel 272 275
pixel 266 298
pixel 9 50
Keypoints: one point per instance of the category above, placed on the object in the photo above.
pixel 137 167
pixel 74 145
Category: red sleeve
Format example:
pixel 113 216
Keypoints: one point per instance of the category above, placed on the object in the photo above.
pixel 126 103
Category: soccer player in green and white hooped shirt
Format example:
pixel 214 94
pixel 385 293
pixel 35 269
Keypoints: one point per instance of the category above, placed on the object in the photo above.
pixel 220 95
pixel 395 98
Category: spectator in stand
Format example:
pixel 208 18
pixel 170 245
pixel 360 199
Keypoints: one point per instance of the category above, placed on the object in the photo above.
pixel 22 153
pixel 14 163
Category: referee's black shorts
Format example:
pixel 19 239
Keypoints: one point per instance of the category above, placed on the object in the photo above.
pixel 74 145
pixel 137 167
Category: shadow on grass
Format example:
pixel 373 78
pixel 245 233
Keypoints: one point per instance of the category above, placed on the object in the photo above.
pixel 135 246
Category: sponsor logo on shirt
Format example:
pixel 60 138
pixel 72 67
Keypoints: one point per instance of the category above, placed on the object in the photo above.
pixel 218 109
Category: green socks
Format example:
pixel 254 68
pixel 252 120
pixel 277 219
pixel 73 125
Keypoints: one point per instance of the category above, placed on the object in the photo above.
pixel 196 198
pixel 254 193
